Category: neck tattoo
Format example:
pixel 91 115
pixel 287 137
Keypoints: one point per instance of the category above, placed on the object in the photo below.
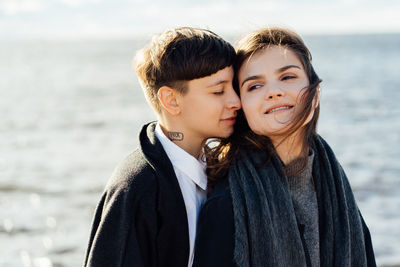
pixel 175 136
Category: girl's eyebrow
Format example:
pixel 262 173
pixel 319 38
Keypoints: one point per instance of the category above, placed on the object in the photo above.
pixel 250 78
pixel 280 70
pixel 286 68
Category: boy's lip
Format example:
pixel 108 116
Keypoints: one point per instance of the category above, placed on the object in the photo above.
pixel 278 106
pixel 230 120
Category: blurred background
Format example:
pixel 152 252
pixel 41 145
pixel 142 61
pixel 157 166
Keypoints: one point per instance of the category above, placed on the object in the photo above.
pixel 71 106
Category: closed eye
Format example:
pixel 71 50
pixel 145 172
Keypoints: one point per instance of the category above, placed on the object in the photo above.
pixel 218 93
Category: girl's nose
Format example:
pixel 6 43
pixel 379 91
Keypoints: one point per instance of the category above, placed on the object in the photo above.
pixel 274 92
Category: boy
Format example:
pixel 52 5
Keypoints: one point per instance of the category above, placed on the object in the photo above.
pixel 148 213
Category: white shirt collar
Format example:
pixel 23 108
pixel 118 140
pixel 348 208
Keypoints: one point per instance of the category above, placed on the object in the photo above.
pixel 180 159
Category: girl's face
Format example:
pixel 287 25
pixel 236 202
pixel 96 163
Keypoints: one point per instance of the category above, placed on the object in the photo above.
pixel 271 84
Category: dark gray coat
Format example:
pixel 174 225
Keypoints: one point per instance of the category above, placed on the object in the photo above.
pixel 141 219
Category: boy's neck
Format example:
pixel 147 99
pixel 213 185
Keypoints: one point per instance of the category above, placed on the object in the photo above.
pixel 190 144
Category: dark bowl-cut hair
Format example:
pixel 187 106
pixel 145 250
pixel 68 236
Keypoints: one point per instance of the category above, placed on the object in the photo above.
pixel 176 56
pixel 220 156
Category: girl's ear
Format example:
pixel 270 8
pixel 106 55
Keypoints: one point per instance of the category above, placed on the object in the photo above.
pixel 316 98
pixel 168 98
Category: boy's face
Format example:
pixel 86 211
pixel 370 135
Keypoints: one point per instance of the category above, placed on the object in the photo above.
pixel 208 109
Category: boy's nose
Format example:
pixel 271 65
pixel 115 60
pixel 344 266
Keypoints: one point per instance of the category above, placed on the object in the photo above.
pixel 234 102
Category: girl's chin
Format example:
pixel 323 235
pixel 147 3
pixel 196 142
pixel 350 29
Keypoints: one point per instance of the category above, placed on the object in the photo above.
pixel 279 130
pixel 270 133
pixel 280 120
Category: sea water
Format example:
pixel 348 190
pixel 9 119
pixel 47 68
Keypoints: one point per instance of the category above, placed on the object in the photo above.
pixel 71 110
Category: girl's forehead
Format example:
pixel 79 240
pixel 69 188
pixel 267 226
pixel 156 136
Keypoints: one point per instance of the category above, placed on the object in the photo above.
pixel 273 52
pixel 271 57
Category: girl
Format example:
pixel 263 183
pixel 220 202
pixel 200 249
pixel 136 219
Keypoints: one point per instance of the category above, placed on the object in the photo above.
pixel 280 197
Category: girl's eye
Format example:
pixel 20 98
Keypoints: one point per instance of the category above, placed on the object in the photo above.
pixel 218 93
pixel 288 77
pixel 253 87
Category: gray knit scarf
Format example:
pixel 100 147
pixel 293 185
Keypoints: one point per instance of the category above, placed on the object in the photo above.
pixel 266 231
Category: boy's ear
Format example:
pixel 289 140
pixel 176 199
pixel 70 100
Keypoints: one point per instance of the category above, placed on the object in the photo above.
pixel 168 98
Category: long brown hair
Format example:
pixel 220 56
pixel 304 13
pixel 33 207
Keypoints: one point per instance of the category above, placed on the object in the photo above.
pixel 221 155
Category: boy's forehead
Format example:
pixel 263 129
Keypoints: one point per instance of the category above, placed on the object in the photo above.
pixel 225 74
pixel 222 76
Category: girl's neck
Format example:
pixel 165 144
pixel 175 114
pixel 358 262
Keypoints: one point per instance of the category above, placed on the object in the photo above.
pixel 288 148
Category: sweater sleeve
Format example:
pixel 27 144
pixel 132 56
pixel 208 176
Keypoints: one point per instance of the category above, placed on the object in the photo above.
pixel 215 232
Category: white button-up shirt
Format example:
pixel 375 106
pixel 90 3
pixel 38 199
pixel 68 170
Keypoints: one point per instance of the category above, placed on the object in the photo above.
pixel 192 180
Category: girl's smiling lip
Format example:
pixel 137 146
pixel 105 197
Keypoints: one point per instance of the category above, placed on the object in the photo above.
pixel 278 108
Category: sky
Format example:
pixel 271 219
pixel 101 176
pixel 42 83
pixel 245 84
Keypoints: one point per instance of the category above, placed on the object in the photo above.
pixel 53 19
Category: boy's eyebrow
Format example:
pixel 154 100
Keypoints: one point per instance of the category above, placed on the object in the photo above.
pixel 218 83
